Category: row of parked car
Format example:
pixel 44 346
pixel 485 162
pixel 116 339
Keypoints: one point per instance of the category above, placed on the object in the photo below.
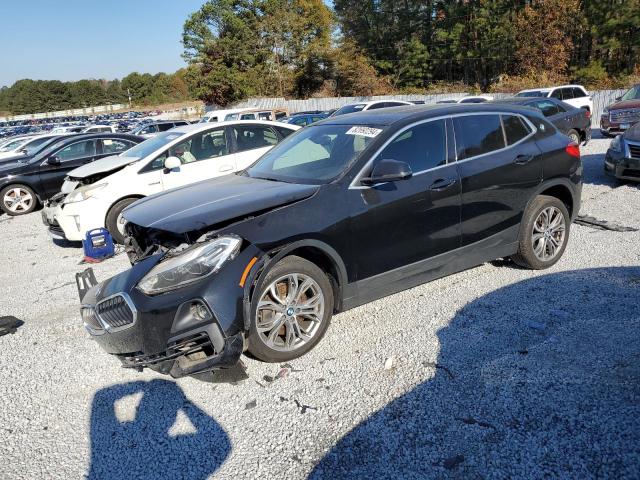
pixel 248 234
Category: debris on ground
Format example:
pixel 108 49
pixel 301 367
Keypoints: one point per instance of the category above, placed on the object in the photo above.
pixel 473 421
pixel 389 363
pixel 304 408
pixel 251 404
pixel 437 365
pixel 587 221
pixel 9 324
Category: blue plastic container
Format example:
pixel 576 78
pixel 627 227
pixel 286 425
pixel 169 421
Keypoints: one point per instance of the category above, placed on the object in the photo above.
pixel 98 244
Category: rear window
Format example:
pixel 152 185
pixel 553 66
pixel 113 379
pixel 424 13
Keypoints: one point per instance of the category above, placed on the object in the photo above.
pixel 349 109
pixel 515 128
pixel 535 93
pixel 478 134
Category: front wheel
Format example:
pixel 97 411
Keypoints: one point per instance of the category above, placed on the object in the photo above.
pixel 115 221
pixel 543 234
pixel 291 311
pixel 18 200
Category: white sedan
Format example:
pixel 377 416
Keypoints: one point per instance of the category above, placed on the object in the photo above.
pixel 172 159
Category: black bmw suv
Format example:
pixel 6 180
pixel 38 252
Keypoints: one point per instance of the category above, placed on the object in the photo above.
pixel 341 213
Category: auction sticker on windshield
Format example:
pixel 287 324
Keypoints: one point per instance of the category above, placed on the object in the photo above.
pixel 364 131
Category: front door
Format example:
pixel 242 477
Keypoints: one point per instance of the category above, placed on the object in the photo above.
pixel 398 223
pixel 499 168
pixel 203 156
pixel 66 159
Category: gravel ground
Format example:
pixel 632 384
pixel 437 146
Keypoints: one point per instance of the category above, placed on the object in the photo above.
pixel 497 372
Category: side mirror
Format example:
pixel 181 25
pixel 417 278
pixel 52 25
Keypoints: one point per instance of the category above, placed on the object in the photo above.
pixel 171 163
pixel 618 99
pixel 55 160
pixel 388 171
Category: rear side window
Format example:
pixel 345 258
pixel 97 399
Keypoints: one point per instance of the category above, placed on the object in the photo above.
pixel 302 121
pixel 547 108
pixel 478 134
pixel 578 93
pixel 249 137
pixel 376 106
pixel 423 147
pixel 515 129
pixel 567 93
pixel 112 146
pixel 284 132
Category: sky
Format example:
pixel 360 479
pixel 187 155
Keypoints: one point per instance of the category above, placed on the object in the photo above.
pixel 75 39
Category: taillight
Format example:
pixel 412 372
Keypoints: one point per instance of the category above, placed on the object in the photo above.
pixel 573 149
pixel 587 113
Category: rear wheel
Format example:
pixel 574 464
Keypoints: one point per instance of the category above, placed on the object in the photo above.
pixel 291 311
pixel 574 136
pixel 18 200
pixel 543 234
pixel 115 221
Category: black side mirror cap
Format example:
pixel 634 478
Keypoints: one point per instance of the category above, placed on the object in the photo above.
pixel 55 160
pixel 388 171
pixel 618 99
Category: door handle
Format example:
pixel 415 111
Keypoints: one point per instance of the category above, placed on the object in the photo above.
pixel 226 168
pixel 523 159
pixel 442 184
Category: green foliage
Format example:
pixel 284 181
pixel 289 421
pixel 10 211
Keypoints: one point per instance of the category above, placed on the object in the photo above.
pixel 33 96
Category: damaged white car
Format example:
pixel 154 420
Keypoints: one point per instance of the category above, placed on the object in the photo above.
pixel 95 195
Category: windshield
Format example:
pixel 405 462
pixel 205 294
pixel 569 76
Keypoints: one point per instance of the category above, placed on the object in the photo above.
pixel 34 145
pixel 314 155
pixel 7 147
pixel 534 93
pixel 632 94
pixel 149 146
pixel 349 109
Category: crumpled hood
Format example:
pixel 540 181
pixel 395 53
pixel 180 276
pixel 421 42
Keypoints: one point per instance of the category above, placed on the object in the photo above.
pixel 104 165
pixel 207 203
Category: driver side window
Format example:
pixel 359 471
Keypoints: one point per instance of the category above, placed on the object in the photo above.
pixel 77 150
pixel 422 147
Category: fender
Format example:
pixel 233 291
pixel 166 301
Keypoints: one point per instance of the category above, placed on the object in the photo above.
pixel 545 185
pixel 262 266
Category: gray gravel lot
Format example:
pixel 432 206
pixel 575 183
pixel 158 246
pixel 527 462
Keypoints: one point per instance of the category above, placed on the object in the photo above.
pixel 497 372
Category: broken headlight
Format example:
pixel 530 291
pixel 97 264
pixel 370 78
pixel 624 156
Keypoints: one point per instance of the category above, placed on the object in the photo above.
pixel 190 265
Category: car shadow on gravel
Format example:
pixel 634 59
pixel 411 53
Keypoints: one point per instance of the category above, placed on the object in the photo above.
pixel 144 446
pixel 537 379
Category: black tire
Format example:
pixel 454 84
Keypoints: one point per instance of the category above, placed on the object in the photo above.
pixel 7 208
pixel 526 256
pixel 111 221
pixel 289 265
pixel 574 135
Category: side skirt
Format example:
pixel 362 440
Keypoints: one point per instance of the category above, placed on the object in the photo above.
pixel 409 276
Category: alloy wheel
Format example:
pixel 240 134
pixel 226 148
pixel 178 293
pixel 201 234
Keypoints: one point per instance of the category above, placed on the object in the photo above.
pixel 18 200
pixel 575 138
pixel 549 233
pixel 290 312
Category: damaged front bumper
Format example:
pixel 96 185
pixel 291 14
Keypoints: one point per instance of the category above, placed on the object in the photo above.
pixel 195 329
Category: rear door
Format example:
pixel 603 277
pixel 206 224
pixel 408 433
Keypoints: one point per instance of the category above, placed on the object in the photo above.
pixel 203 155
pixel 250 142
pixel 499 166
pixel 70 156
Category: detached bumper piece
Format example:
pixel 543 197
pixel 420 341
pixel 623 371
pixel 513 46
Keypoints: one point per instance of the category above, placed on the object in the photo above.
pixel 192 355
